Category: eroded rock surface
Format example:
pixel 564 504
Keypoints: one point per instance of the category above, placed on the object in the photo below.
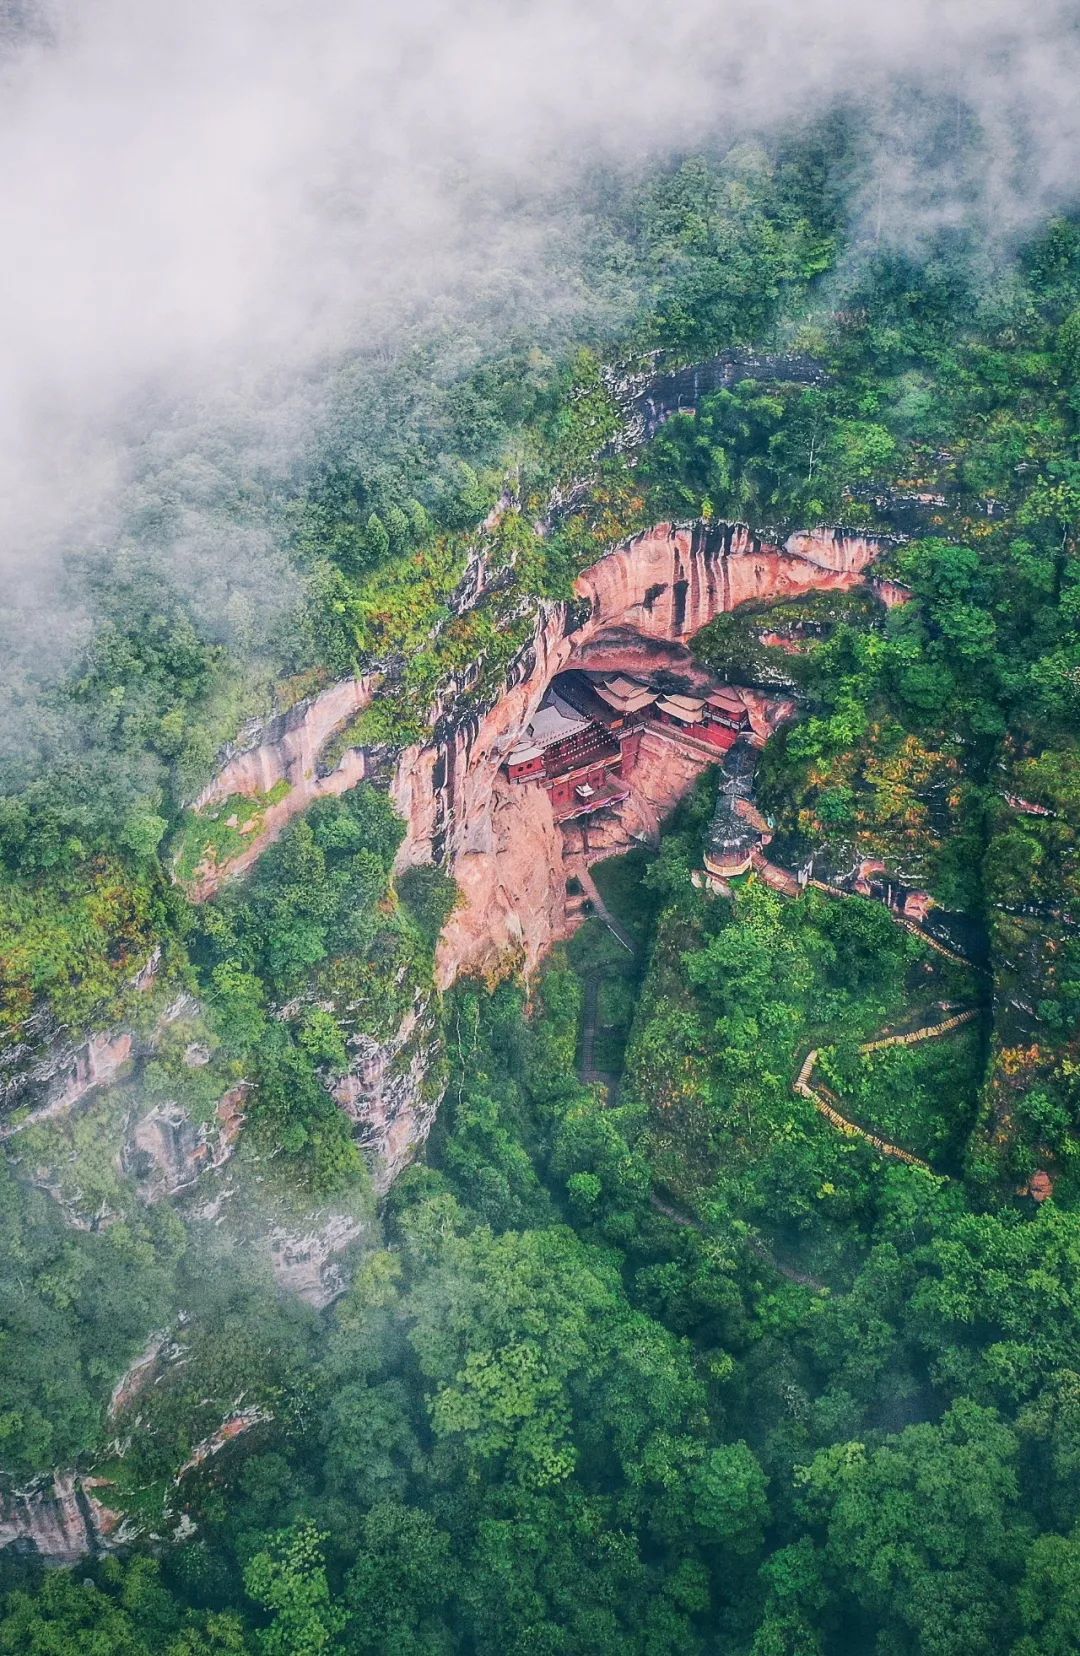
pixel 392 1090
pixel 287 750
pixel 637 610
pixel 230 1429
pixel 167 1151
pixel 310 1263
pixel 59 1518
pixel 56 1083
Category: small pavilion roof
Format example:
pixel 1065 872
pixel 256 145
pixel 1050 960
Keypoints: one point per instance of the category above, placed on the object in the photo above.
pixel 625 694
pixel 727 699
pixel 684 708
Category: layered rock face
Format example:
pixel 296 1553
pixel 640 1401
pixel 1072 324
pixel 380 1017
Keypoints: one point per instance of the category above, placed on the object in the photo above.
pixel 391 1090
pixel 166 1151
pixel 512 880
pixel 311 1264
pixel 669 582
pixel 638 609
pixel 59 1518
pixel 660 396
pixel 287 750
pixel 56 1083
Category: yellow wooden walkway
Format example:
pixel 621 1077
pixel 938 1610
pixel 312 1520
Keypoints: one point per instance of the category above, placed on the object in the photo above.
pixel 803 1085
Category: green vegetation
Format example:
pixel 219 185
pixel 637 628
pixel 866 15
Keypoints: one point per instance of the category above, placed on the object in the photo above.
pixel 319 934
pixel 671 1366
pixel 214 835
pixel 74 940
pixel 924 1098
pixel 621 882
pixel 630 1432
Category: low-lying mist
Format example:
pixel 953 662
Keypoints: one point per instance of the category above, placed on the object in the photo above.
pixel 209 211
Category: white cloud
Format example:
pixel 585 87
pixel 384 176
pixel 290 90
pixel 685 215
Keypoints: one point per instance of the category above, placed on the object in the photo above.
pixel 196 197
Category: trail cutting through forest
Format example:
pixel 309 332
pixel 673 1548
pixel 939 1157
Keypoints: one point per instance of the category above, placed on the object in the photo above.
pixel 588 1072
pixel 821 1098
pixel 790 1272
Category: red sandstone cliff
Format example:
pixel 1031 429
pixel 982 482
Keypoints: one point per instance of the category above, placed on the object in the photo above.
pixel 60 1519
pixel 669 582
pixel 287 750
pixel 646 600
pixel 637 608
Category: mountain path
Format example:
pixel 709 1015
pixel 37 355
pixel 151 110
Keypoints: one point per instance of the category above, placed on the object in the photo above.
pixel 803 1084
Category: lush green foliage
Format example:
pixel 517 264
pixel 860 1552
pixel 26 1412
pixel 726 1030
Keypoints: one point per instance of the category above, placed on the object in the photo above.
pixel 670 1368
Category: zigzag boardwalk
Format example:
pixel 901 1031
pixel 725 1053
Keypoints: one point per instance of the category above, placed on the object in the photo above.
pixel 802 1085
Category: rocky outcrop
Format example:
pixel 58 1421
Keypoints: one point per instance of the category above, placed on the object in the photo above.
pixel 286 748
pixel 59 1519
pixel 167 1151
pixel 661 394
pixel 230 1429
pixel 46 1074
pixel 669 582
pixel 391 1091
pixel 57 1083
pixel 310 1264
pixel 891 593
pixel 141 1371
pixel 637 609
pixel 639 606
pixel 287 752
pixel 513 884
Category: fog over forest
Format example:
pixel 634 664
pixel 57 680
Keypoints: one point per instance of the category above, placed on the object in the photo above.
pixel 539 828
pixel 208 208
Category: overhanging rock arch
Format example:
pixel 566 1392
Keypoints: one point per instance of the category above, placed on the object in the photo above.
pixel 641 603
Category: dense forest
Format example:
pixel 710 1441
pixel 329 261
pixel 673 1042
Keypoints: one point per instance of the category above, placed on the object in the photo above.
pixel 670 1366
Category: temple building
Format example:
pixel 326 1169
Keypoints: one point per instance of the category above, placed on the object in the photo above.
pixel 726 707
pixel 611 699
pixel 685 712
pixel 625 697
pixel 583 740
pixel 576 759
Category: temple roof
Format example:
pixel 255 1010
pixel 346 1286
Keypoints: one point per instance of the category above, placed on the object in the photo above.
pixel 684 708
pixel 624 694
pixel 729 831
pixel 556 722
pixel 727 699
